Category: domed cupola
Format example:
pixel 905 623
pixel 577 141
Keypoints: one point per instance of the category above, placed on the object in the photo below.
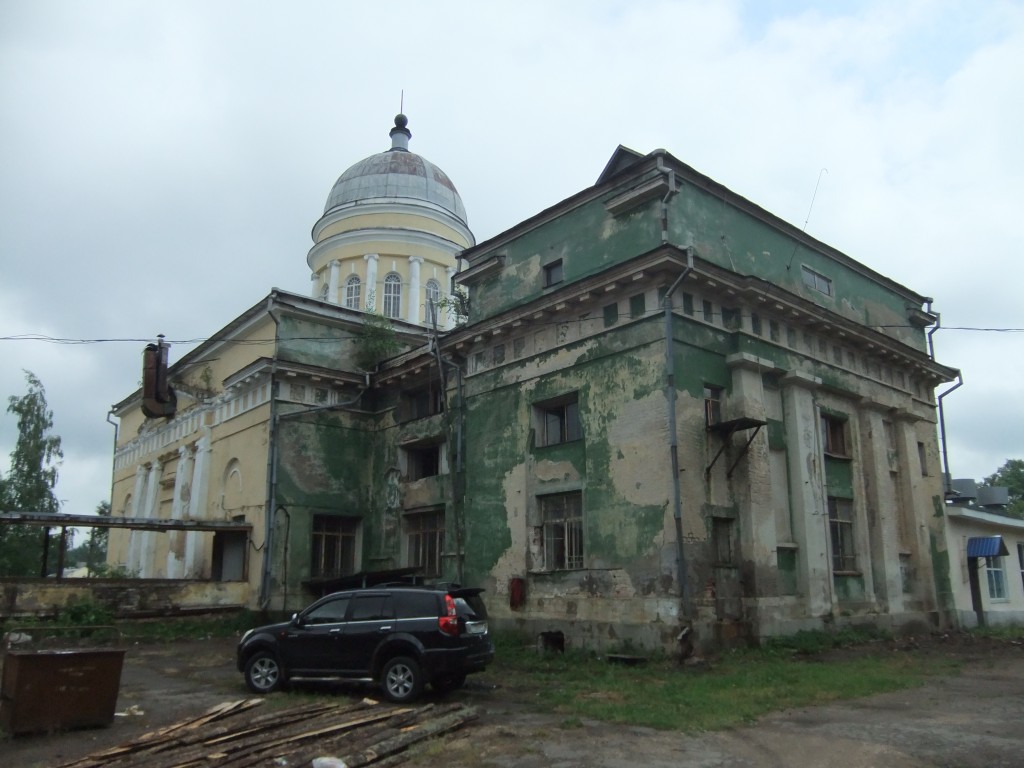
pixel 399 174
pixel 391 229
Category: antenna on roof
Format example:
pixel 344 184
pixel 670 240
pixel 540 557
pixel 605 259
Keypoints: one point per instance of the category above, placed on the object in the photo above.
pixel 401 102
pixel 809 209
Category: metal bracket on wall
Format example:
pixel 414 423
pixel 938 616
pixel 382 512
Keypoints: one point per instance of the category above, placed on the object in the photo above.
pixel 727 429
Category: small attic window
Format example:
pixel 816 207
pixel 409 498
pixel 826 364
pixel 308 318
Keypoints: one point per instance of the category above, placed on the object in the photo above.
pixel 553 273
pixel 816 280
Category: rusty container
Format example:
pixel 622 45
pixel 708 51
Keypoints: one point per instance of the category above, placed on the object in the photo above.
pixel 59 689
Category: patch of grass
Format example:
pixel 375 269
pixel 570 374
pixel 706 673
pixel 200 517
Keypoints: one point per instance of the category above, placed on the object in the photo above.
pixel 736 689
pixel 191 628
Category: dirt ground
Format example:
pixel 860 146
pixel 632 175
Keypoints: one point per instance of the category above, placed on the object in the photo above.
pixel 975 718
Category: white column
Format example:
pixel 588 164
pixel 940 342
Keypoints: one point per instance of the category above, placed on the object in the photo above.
pixel 371 301
pixel 146 566
pixel 332 289
pixel 807 491
pixel 135 537
pixel 182 487
pixel 197 505
pixel 412 314
pixel 447 318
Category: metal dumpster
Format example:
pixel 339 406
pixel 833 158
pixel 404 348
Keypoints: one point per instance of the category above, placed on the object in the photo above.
pixel 49 690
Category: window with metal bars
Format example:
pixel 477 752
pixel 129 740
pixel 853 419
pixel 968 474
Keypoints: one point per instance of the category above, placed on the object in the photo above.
pixel 425 540
pixel 334 546
pixel 562 520
pixel 840 521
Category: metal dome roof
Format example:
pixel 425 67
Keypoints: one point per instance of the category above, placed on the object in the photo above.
pixel 397 173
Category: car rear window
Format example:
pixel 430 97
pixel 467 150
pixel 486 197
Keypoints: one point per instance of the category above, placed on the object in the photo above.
pixel 413 605
pixel 471 607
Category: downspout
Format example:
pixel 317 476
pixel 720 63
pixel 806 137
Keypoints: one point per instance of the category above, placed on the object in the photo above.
pixel 271 510
pixel 947 481
pixel 457 470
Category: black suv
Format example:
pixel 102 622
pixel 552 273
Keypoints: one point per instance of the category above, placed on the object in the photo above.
pixel 400 637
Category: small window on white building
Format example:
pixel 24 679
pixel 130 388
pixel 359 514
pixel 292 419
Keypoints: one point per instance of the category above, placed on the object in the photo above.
pixel 353 292
pixel 433 291
pixel 995 571
pixel 392 295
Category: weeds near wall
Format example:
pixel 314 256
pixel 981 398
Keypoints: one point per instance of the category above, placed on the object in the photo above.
pixel 374 341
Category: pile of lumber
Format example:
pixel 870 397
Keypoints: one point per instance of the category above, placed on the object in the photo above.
pixel 357 733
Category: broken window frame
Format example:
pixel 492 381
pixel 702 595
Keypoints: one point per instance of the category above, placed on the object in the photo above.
pixel 423 460
pixel 559 421
pixel 712 404
pixel 561 516
pixel 841 535
pixel 424 540
pixel 334 549
pixel 814 279
pixel 833 436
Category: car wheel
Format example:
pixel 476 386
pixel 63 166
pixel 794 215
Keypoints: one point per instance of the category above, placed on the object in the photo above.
pixel 449 683
pixel 263 673
pixel 402 680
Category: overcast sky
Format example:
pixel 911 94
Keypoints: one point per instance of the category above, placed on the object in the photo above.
pixel 162 164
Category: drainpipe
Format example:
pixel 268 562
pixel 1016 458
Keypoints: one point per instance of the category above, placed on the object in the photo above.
pixel 264 593
pixel 947 480
pixel 457 470
pixel 673 440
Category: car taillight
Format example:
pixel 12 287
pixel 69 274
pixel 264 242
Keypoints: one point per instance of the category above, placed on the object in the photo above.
pixel 449 623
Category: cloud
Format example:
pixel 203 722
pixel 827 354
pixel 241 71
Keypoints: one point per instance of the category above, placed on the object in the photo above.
pixel 164 163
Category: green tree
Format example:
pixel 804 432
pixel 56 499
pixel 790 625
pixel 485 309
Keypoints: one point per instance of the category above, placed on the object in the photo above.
pixel 31 479
pixel 1011 476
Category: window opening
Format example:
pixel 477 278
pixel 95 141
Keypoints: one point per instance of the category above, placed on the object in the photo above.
pixel 353 292
pixel 425 541
pixel 816 280
pixel 392 295
pixel 995 570
pixel 423 461
pixel 840 520
pixel 553 273
pixel 833 435
pixel 334 546
pixel 712 405
pixel 562 520
pixel 560 422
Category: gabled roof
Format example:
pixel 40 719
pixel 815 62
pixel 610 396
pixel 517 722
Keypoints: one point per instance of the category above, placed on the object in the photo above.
pixel 621 159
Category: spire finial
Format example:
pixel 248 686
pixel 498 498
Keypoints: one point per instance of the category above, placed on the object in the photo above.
pixel 400 134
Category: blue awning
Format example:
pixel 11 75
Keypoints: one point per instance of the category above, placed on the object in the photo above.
pixel 986 546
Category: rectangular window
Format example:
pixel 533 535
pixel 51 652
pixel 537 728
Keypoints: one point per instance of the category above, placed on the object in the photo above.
pixel 833 435
pixel 423 461
pixel 730 318
pixel 755 323
pixel 559 421
pixel 334 546
pixel 709 313
pixel 320 396
pixel 890 435
pixel 637 305
pixel 922 456
pixel 562 520
pixel 773 330
pixel 423 402
pixel 687 303
pixel 518 347
pixel 712 405
pixel 498 354
pixel 553 273
pixel 791 337
pixel 611 315
pixel 425 541
pixel 816 280
pixel 840 520
pixel 995 570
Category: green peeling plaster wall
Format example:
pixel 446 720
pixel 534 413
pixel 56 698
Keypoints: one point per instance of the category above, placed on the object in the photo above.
pixel 314 343
pixel 501 447
pixel 737 241
pixel 839 477
pixel 586 239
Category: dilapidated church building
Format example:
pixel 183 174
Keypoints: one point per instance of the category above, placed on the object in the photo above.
pixel 653 405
